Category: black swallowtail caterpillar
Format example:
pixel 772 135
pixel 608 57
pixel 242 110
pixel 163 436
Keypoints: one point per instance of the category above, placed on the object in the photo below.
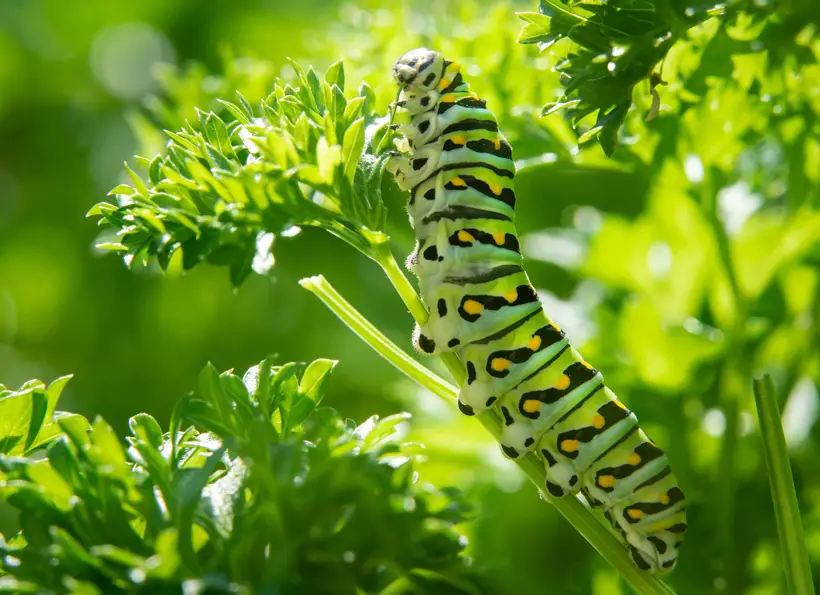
pixel 459 170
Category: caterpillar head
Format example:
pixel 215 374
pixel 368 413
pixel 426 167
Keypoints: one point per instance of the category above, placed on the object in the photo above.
pixel 419 69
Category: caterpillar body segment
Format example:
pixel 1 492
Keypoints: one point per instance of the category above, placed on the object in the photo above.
pixel 459 170
pixel 469 193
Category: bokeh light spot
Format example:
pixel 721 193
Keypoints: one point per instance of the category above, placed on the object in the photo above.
pixel 123 58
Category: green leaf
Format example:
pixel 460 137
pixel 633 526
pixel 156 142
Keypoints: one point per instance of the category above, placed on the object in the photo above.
pixel 101 209
pixel 51 484
pixel 376 432
pixel 65 462
pixel 316 90
pixel 16 417
pixel 337 110
pixel 236 111
pixel 142 425
pixel 210 388
pixel 39 410
pixel 352 148
pixel 536 28
pixel 246 107
pixel 311 389
pixel 786 509
pixel 76 427
pixel 353 110
pixel 335 75
pixel 106 447
pixel 124 189
pixel 328 158
pixel 204 416
pixel 188 493
pixel 139 185
pixel 155 169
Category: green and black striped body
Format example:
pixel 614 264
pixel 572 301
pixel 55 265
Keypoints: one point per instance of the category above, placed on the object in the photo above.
pixel 459 170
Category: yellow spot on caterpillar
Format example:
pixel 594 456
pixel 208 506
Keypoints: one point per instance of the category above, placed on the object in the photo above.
pixel 473 307
pixel 586 365
pixel 500 237
pixel 511 295
pixel 619 404
pixel 448 99
pixel 634 459
pixel 458 182
pixel 569 445
pixel 459 139
pixel 634 513
pixel 495 188
pixel 455 65
pixel 562 383
pixel 606 481
pixel 499 364
pixel 664 499
pixel 444 84
pixel 465 236
pixel 497 144
pixel 532 405
pixel 556 327
pixel 534 343
pixel 598 421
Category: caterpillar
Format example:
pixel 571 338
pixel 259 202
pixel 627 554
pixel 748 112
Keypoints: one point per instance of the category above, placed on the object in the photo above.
pixel 459 170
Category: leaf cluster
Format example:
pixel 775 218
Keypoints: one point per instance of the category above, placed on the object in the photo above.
pixel 28 416
pixel 306 155
pixel 613 46
pixel 255 489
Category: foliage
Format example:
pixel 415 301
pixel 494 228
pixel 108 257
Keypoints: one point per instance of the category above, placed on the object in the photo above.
pixel 222 192
pixel 255 489
pixel 29 418
pixel 616 45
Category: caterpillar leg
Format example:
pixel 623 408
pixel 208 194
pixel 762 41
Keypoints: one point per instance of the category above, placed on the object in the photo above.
pixel 413 169
pixel 641 499
pixel 537 404
pixel 597 447
pixel 494 369
pixel 489 305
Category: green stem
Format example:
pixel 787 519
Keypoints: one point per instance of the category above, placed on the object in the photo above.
pixel 580 517
pixel 786 511
pixel 354 320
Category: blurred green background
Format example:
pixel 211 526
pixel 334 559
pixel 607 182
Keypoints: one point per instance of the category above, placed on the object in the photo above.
pixel 627 251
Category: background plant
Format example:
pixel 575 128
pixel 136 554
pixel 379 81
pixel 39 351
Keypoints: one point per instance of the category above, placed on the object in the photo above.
pixel 253 489
pixel 726 168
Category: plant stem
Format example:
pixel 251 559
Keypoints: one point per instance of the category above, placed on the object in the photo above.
pixel 580 517
pixel 786 511
pixel 354 320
